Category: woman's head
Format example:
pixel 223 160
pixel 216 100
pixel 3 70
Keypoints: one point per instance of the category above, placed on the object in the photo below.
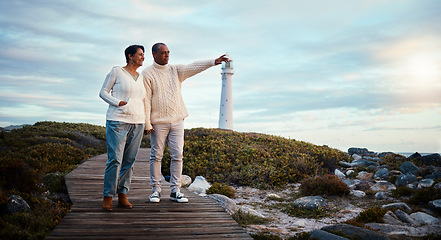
pixel 131 50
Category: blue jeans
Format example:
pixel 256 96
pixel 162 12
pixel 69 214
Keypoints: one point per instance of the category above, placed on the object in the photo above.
pixel 123 141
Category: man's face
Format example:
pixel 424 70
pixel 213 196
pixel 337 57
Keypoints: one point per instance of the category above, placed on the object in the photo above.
pixel 161 57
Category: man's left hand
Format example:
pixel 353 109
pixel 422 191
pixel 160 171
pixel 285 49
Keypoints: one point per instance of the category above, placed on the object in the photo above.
pixel 221 59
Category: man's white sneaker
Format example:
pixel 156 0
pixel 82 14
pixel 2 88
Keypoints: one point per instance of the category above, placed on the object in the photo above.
pixel 155 197
pixel 178 197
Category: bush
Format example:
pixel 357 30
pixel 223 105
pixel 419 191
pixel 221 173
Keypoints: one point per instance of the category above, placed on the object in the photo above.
pixel 221 188
pixel 244 219
pixel 251 159
pixel 402 191
pixel 326 185
pixel 371 215
pixel 424 196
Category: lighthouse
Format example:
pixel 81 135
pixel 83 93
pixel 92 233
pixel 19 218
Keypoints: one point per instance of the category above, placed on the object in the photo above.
pixel 226 104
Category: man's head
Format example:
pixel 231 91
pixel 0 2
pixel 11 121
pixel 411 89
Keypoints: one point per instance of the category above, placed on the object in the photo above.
pixel 160 53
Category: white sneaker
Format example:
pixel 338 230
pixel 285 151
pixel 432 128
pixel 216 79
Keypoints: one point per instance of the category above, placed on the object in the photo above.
pixel 155 197
pixel 178 197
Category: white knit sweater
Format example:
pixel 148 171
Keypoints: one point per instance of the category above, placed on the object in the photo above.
pixel 163 89
pixel 120 86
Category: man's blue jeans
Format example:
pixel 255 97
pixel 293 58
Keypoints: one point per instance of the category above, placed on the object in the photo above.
pixel 123 141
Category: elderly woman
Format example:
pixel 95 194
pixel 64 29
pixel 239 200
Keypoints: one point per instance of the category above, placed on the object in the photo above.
pixel 124 91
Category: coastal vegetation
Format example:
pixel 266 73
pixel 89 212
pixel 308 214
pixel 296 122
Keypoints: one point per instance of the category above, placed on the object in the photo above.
pixel 35 158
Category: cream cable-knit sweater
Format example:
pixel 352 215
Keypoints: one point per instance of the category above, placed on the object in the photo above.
pixel 163 89
pixel 120 86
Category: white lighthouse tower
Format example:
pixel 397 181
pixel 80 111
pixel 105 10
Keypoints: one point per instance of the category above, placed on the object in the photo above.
pixel 226 104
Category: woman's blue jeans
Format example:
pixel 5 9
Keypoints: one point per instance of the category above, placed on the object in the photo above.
pixel 123 141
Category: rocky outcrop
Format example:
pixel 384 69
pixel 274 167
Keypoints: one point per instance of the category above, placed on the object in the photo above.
pixel 17 204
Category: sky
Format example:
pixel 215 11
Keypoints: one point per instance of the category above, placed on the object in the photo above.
pixel 338 73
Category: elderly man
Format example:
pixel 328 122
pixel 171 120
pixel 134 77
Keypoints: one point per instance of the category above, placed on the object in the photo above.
pixel 165 114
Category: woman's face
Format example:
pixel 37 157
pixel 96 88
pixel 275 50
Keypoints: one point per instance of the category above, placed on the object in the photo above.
pixel 138 57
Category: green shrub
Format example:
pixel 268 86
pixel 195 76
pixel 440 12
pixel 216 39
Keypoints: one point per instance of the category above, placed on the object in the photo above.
pixel 326 185
pixel 424 196
pixel 402 191
pixel 293 211
pixel 221 188
pixel 371 215
pixel 251 159
pixel 244 219
pixel 265 236
pixel 394 160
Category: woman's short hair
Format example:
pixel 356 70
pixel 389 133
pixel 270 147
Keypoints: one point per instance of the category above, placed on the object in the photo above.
pixel 131 50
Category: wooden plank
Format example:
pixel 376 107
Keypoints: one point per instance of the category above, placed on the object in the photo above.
pixel 201 218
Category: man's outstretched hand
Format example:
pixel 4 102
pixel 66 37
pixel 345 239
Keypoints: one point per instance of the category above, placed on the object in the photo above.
pixel 221 59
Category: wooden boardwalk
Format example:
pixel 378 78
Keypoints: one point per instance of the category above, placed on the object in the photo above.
pixel 201 218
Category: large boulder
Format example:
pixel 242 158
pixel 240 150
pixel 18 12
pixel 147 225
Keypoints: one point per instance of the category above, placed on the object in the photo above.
pixel 382 186
pixel 423 218
pixel 404 217
pixel 200 185
pixel 356 232
pixel 363 162
pixel 405 179
pixel 432 159
pixel 383 173
pixel 409 168
pixel 17 204
pixel 226 203
pixel 425 183
pixel 310 202
pixel 394 206
pixel 435 205
pixel 359 151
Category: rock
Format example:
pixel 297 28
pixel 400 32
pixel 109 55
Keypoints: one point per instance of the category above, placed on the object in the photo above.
pixel 349 172
pixel 404 217
pixel 394 206
pixel 432 159
pixel 423 218
pixel 251 211
pixel 437 186
pixel 323 235
pixel 345 164
pixel 380 195
pixel 365 175
pixel 425 183
pixel 310 202
pixel 361 233
pixel 358 193
pixel 416 155
pixel 226 203
pixel 391 218
pixel 382 174
pixel 385 154
pixel 352 184
pixel 185 180
pixel 404 180
pixel 359 151
pixel 200 185
pixel 395 172
pixel 409 168
pixel 273 195
pixel 339 174
pixel 363 185
pixel 396 230
pixel 435 175
pixel 435 204
pixel 362 162
pixel 382 186
pixel 356 157
pixel 17 204
pixel 377 159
